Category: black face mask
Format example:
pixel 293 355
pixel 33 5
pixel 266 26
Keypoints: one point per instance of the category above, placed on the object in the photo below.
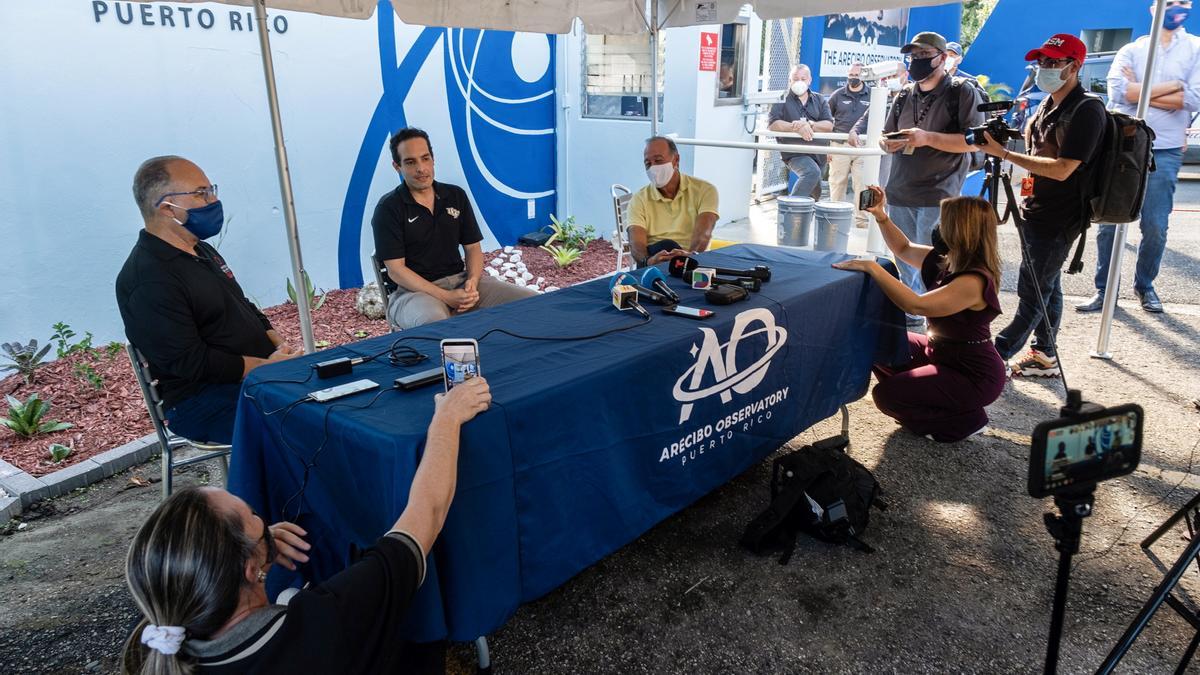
pixel 920 69
pixel 854 82
pixel 939 244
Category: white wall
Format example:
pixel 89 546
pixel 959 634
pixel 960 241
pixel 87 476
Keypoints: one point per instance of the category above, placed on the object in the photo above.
pixel 86 101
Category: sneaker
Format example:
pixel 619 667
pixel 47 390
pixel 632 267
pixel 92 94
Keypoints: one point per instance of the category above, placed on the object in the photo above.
pixel 1035 364
pixel 1094 305
pixel 1150 302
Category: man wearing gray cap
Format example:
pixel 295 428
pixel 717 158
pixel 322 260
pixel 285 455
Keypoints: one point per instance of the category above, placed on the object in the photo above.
pixel 930 157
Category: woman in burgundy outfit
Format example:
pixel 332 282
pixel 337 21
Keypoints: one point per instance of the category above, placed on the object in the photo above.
pixel 955 370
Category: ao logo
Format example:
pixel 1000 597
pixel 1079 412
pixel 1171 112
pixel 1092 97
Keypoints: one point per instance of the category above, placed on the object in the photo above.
pixel 721 360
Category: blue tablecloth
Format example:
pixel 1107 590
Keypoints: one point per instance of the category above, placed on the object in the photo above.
pixel 587 444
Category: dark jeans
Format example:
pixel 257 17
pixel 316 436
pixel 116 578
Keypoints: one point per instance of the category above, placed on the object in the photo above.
pixel 1045 252
pixel 208 416
pixel 660 246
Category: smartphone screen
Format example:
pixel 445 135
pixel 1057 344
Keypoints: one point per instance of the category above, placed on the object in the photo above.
pixel 460 361
pixel 692 312
pixel 1086 450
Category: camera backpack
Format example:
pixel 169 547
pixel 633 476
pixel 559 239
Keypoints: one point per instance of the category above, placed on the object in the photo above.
pixel 818 490
pixel 1115 182
pixel 952 99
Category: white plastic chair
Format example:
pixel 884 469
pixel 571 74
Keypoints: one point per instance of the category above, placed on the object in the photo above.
pixel 621 197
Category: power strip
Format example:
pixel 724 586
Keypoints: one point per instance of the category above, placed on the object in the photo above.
pixel 342 390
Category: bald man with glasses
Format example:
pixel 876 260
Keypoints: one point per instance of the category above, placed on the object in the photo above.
pixel 183 308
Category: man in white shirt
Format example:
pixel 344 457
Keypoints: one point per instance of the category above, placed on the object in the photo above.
pixel 1174 96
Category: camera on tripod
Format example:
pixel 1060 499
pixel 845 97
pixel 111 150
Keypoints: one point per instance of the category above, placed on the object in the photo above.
pixel 996 127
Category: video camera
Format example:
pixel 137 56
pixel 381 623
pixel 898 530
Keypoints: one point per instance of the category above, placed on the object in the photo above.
pixel 996 127
pixel 1084 446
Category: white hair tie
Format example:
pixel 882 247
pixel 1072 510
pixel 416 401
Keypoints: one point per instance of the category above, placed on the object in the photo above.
pixel 164 639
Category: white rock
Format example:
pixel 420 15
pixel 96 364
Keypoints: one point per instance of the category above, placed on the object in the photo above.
pixel 519 282
pixel 541 280
pixel 508 249
pixel 493 271
pixel 526 276
pixel 521 266
pixel 510 274
pixel 369 301
pixel 496 261
pixel 515 256
pixel 551 288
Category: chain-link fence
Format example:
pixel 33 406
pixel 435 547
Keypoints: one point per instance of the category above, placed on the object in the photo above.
pixel 780 51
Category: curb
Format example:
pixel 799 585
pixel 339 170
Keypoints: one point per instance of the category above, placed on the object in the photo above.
pixel 23 489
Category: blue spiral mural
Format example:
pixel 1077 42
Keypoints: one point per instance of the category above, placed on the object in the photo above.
pixel 500 101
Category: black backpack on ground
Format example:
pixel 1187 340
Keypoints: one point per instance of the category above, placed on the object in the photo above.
pixel 819 490
pixel 1115 183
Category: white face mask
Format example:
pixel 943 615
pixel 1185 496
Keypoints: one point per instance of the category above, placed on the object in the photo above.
pixel 660 174
pixel 1050 80
pixel 799 87
pixel 893 84
pixel 951 63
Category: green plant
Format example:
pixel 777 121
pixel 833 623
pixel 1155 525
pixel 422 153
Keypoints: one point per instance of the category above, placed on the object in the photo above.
pixel 25 419
pixel 321 344
pixel 997 91
pixel 85 371
pixel 63 336
pixel 313 301
pixel 25 358
pixel 570 233
pixel 59 452
pixel 113 348
pixel 563 255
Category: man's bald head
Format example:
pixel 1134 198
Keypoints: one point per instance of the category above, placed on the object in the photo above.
pixel 153 179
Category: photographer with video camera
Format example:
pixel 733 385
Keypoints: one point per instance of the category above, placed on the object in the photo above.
pixel 1062 138
pixel 924 131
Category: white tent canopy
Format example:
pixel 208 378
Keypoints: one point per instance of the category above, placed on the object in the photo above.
pixel 557 16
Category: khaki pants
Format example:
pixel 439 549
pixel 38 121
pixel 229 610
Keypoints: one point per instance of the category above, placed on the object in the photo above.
pixel 409 309
pixel 841 168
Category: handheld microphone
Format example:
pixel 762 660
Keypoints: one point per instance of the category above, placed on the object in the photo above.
pixel 681 266
pixel 627 279
pixel 625 297
pixel 654 278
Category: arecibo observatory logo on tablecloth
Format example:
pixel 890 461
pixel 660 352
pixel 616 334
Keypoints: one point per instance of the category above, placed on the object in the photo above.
pixel 720 359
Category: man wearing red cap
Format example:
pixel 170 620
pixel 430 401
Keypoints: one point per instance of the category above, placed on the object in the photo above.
pixel 1062 138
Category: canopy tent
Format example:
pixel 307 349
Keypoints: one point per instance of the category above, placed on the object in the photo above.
pixel 599 16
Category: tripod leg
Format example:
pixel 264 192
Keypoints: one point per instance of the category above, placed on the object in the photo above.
pixel 1170 522
pixel 1058 613
pixel 1156 600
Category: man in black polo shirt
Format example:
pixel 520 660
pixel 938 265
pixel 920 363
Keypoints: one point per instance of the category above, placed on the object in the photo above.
pixel 182 307
pixel 418 229
pixel 805 112
pixel 848 104
pixel 1063 135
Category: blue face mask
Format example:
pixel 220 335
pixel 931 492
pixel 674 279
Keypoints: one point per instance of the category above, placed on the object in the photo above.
pixel 1175 17
pixel 204 221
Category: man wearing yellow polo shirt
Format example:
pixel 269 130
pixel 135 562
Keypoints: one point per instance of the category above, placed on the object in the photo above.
pixel 672 210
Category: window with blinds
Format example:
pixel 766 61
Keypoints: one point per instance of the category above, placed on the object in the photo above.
pixel 616 75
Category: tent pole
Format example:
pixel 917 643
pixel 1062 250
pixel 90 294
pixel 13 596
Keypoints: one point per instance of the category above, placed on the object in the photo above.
pixel 653 67
pixel 285 181
pixel 1112 286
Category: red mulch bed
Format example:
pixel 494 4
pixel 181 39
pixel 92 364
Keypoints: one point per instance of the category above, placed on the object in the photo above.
pixel 115 414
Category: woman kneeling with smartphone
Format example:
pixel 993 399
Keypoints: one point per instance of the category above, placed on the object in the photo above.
pixel 955 370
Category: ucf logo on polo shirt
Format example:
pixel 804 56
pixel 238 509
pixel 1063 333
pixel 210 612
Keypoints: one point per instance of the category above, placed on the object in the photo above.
pixel 452 211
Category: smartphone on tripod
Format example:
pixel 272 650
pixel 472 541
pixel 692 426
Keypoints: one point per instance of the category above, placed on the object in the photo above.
pixel 1074 451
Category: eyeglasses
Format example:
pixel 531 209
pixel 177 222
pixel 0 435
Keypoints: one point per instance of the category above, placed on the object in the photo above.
pixel 922 54
pixel 1186 4
pixel 268 539
pixel 1054 63
pixel 203 193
